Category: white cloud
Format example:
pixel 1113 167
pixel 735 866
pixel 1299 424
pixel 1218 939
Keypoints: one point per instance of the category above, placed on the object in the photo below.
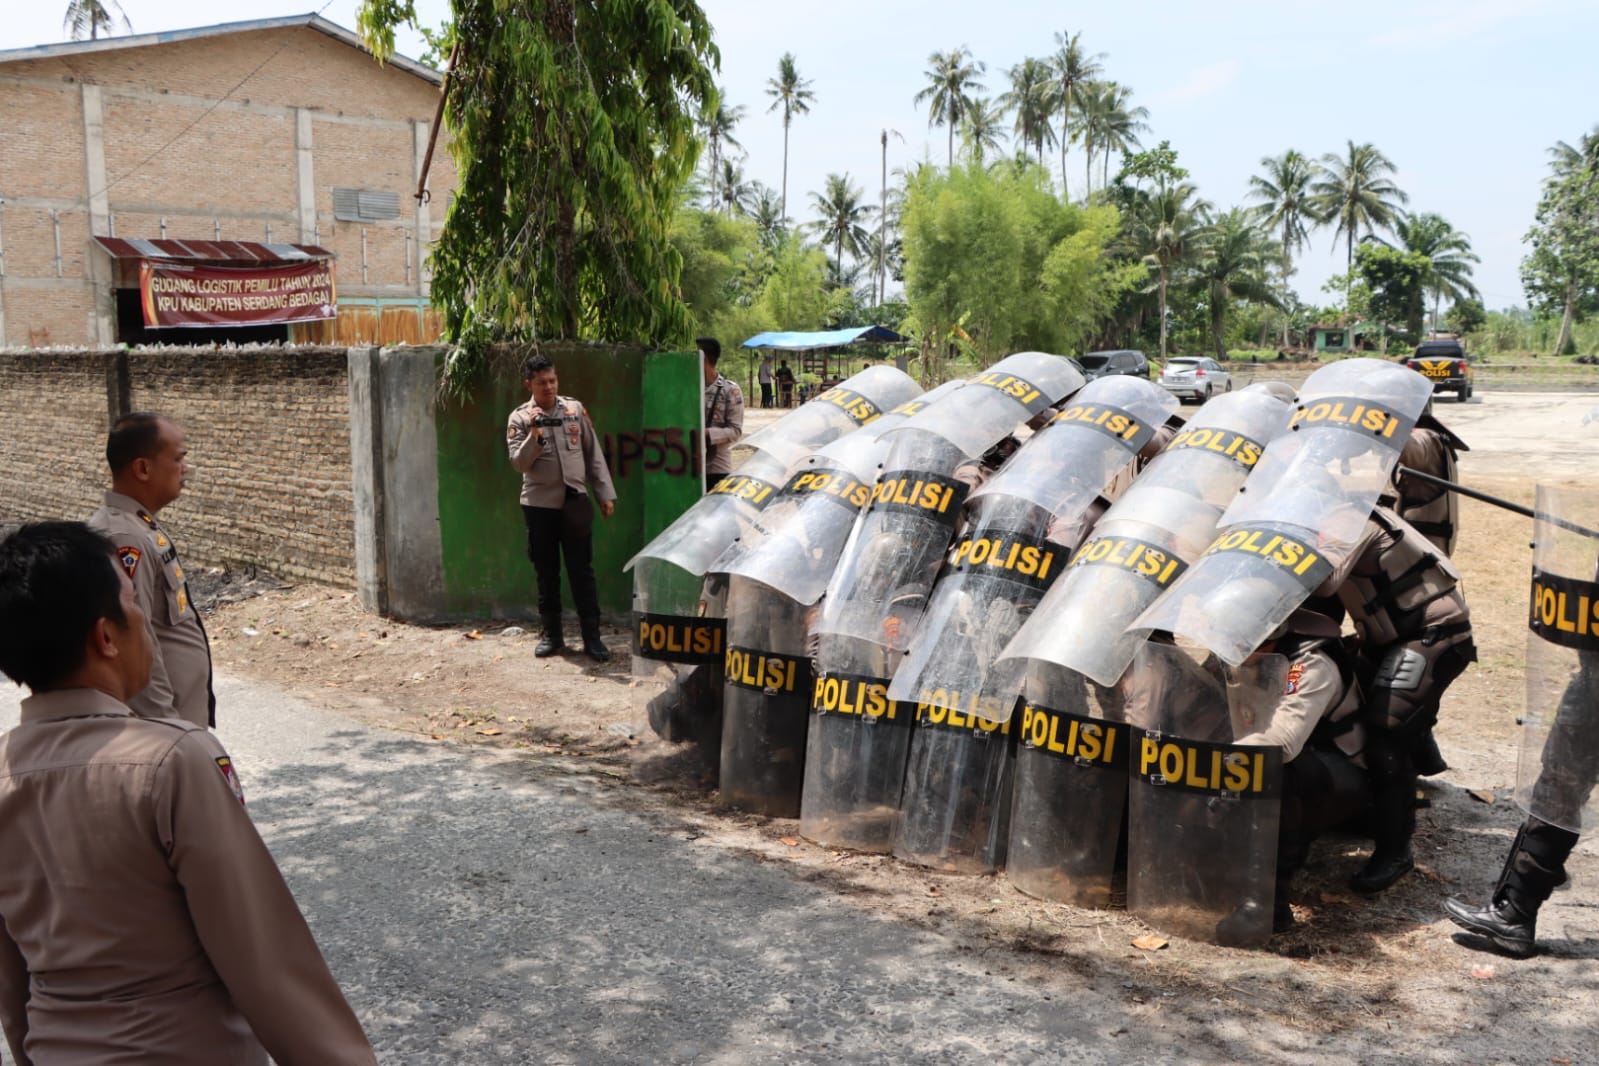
pixel 1202 82
pixel 1436 25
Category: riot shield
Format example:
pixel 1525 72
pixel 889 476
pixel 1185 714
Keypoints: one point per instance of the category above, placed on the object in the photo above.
pixel 854 402
pixel 1301 510
pixel 766 701
pixel 1008 393
pixel 1069 812
pixel 1559 760
pixel 1163 522
pixel 1203 811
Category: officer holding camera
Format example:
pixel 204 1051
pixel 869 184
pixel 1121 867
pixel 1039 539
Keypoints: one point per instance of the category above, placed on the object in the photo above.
pixel 552 444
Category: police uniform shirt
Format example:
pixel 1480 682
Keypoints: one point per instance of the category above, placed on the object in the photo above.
pixel 1313 690
pixel 180 671
pixel 724 423
pixel 142 919
pixel 567 457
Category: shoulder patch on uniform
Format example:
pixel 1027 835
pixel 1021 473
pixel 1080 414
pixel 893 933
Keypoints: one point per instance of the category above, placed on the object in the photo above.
pixel 231 776
pixel 1295 672
pixel 129 558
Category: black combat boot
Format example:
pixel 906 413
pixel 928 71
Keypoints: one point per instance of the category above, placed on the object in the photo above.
pixel 1502 923
pixel 551 643
pixel 1535 867
pixel 1393 815
pixel 593 646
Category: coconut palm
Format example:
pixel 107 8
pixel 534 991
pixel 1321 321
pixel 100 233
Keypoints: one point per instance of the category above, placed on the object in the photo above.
pixel 1109 123
pixel 1283 193
pixel 1233 262
pixel 1072 68
pixel 93 18
pixel 981 129
pixel 1448 254
pixel 1584 158
pixel 733 191
pixel 767 213
pixel 793 94
pixel 841 217
pixel 718 127
pixel 1352 193
pixel 1167 229
pixel 1032 98
pixel 951 81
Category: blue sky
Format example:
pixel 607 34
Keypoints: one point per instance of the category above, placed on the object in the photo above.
pixel 1465 97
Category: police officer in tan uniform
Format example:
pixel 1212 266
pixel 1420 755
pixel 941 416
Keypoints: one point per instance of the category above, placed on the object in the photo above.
pixel 1433 510
pixel 724 413
pixel 142 919
pixel 552 443
pixel 148 456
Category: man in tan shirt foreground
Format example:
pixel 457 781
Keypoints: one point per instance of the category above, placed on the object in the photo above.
pixel 141 917
pixel 149 462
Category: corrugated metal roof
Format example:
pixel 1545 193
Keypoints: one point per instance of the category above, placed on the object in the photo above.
pixel 237 253
pixel 143 40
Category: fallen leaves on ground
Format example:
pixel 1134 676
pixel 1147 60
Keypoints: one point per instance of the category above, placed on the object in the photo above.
pixel 1150 942
pixel 1483 795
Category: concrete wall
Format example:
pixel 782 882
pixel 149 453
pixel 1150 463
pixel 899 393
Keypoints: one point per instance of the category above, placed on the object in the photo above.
pixel 119 142
pixel 269 442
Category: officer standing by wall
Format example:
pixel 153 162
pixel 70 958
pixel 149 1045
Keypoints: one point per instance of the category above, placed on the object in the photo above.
pixel 724 413
pixel 552 444
pixel 142 919
pixel 148 456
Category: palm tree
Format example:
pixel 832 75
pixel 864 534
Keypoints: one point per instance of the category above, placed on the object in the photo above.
pixel 1072 67
pixel 980 130
pixel 1032 97
pixel 1448 254
pixel 882 243
pixel 1234 260
pixel 718 127
pixel 793 93
pixel 766 212
pixel 1167 229
pixel 840 217
pixel 1352 193
pixel 1109 123
pixel 733 192
pixel 91 18
pixel 951 79
pixel 1283 193
pixel 1584 157
pixel 888 252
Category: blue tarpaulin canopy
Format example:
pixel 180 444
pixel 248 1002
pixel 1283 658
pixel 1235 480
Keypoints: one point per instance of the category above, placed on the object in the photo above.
pixel 830 338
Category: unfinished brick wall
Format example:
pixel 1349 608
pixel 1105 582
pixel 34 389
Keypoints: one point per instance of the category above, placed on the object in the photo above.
pixel 269 442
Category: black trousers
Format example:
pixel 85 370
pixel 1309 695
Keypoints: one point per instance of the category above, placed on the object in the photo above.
pixel 553 532
pixel 766 394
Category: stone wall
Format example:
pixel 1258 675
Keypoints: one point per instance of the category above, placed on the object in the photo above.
pixel 269 443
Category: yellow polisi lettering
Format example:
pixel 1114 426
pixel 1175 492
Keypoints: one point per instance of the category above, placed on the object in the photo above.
pixel 1235 446
pixel 1202 767
pixel 766 671
pixel 752 489
pixel 1350 413
pixel 1000 552
pixel 953 709
pixel 1117 423
pixel 1018 388
pixel 1283 551
pixel 683 638
pixel 1141 558
pixel 1068 735
pixel 916 493
pixel 851 695
pixel 857 407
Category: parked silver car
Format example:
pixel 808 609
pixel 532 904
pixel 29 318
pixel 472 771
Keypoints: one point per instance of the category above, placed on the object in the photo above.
pixel 1194 378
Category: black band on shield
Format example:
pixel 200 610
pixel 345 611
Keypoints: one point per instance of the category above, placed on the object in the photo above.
pixel 1077 738
pixel 1565 610
pixel 1237 771
pixel 671 638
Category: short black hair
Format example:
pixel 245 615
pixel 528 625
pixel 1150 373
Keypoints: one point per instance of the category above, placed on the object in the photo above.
pixel 711 348
pixel 135 435
pixel 534 363
pixel 57 579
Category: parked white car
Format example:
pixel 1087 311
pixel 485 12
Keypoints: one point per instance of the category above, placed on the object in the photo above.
pixel 1194 378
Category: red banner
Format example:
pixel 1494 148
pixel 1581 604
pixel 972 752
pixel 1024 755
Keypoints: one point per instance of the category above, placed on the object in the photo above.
pixel 177 294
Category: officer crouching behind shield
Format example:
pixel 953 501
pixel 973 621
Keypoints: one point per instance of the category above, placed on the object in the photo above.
pixel 142 919
pixel 1317 725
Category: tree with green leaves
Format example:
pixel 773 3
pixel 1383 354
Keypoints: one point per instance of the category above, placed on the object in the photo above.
pixel 1073 67
pixel 1234 262
pixel 1166 232
pixel 1353 194
pixel 793 94
pixel 982 131
pixel 735 193
pixel 567 186
pixel 1397 283
pixel 1448 254
pixel 718 126
pixel 767 214
pixel 93 19
pixel 1031 98
pixel 1110 123
pixel 840 217
pixel 1561 273
pixel 951 81
pixel 1283 194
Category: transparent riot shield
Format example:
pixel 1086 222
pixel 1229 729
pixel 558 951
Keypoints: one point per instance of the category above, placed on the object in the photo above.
pixel 1559 760
pixel 854 402
pixel 766 701
pixel 1301 510
pixel 1163 522
pixel 994 402
pixel 1068 824
pixel 1203 811
pixel 955 813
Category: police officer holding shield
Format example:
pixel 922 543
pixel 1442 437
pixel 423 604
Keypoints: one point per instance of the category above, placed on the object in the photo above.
pixel 552 444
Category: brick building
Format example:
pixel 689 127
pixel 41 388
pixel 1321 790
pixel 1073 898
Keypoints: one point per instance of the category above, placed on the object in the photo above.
pixel 275 141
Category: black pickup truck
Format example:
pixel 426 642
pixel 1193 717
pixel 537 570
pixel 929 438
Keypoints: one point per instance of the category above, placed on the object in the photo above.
pixel 1446 365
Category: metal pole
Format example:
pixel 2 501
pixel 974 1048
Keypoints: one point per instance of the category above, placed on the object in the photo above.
pixel 363 255
pixel 1497 501
pixel 55 224
pixel 438 120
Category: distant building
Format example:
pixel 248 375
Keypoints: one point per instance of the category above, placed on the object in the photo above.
pixel 1342 338
pixel 216 173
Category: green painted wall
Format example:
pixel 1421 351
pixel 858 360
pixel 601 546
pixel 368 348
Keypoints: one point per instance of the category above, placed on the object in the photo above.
pixel 646 411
